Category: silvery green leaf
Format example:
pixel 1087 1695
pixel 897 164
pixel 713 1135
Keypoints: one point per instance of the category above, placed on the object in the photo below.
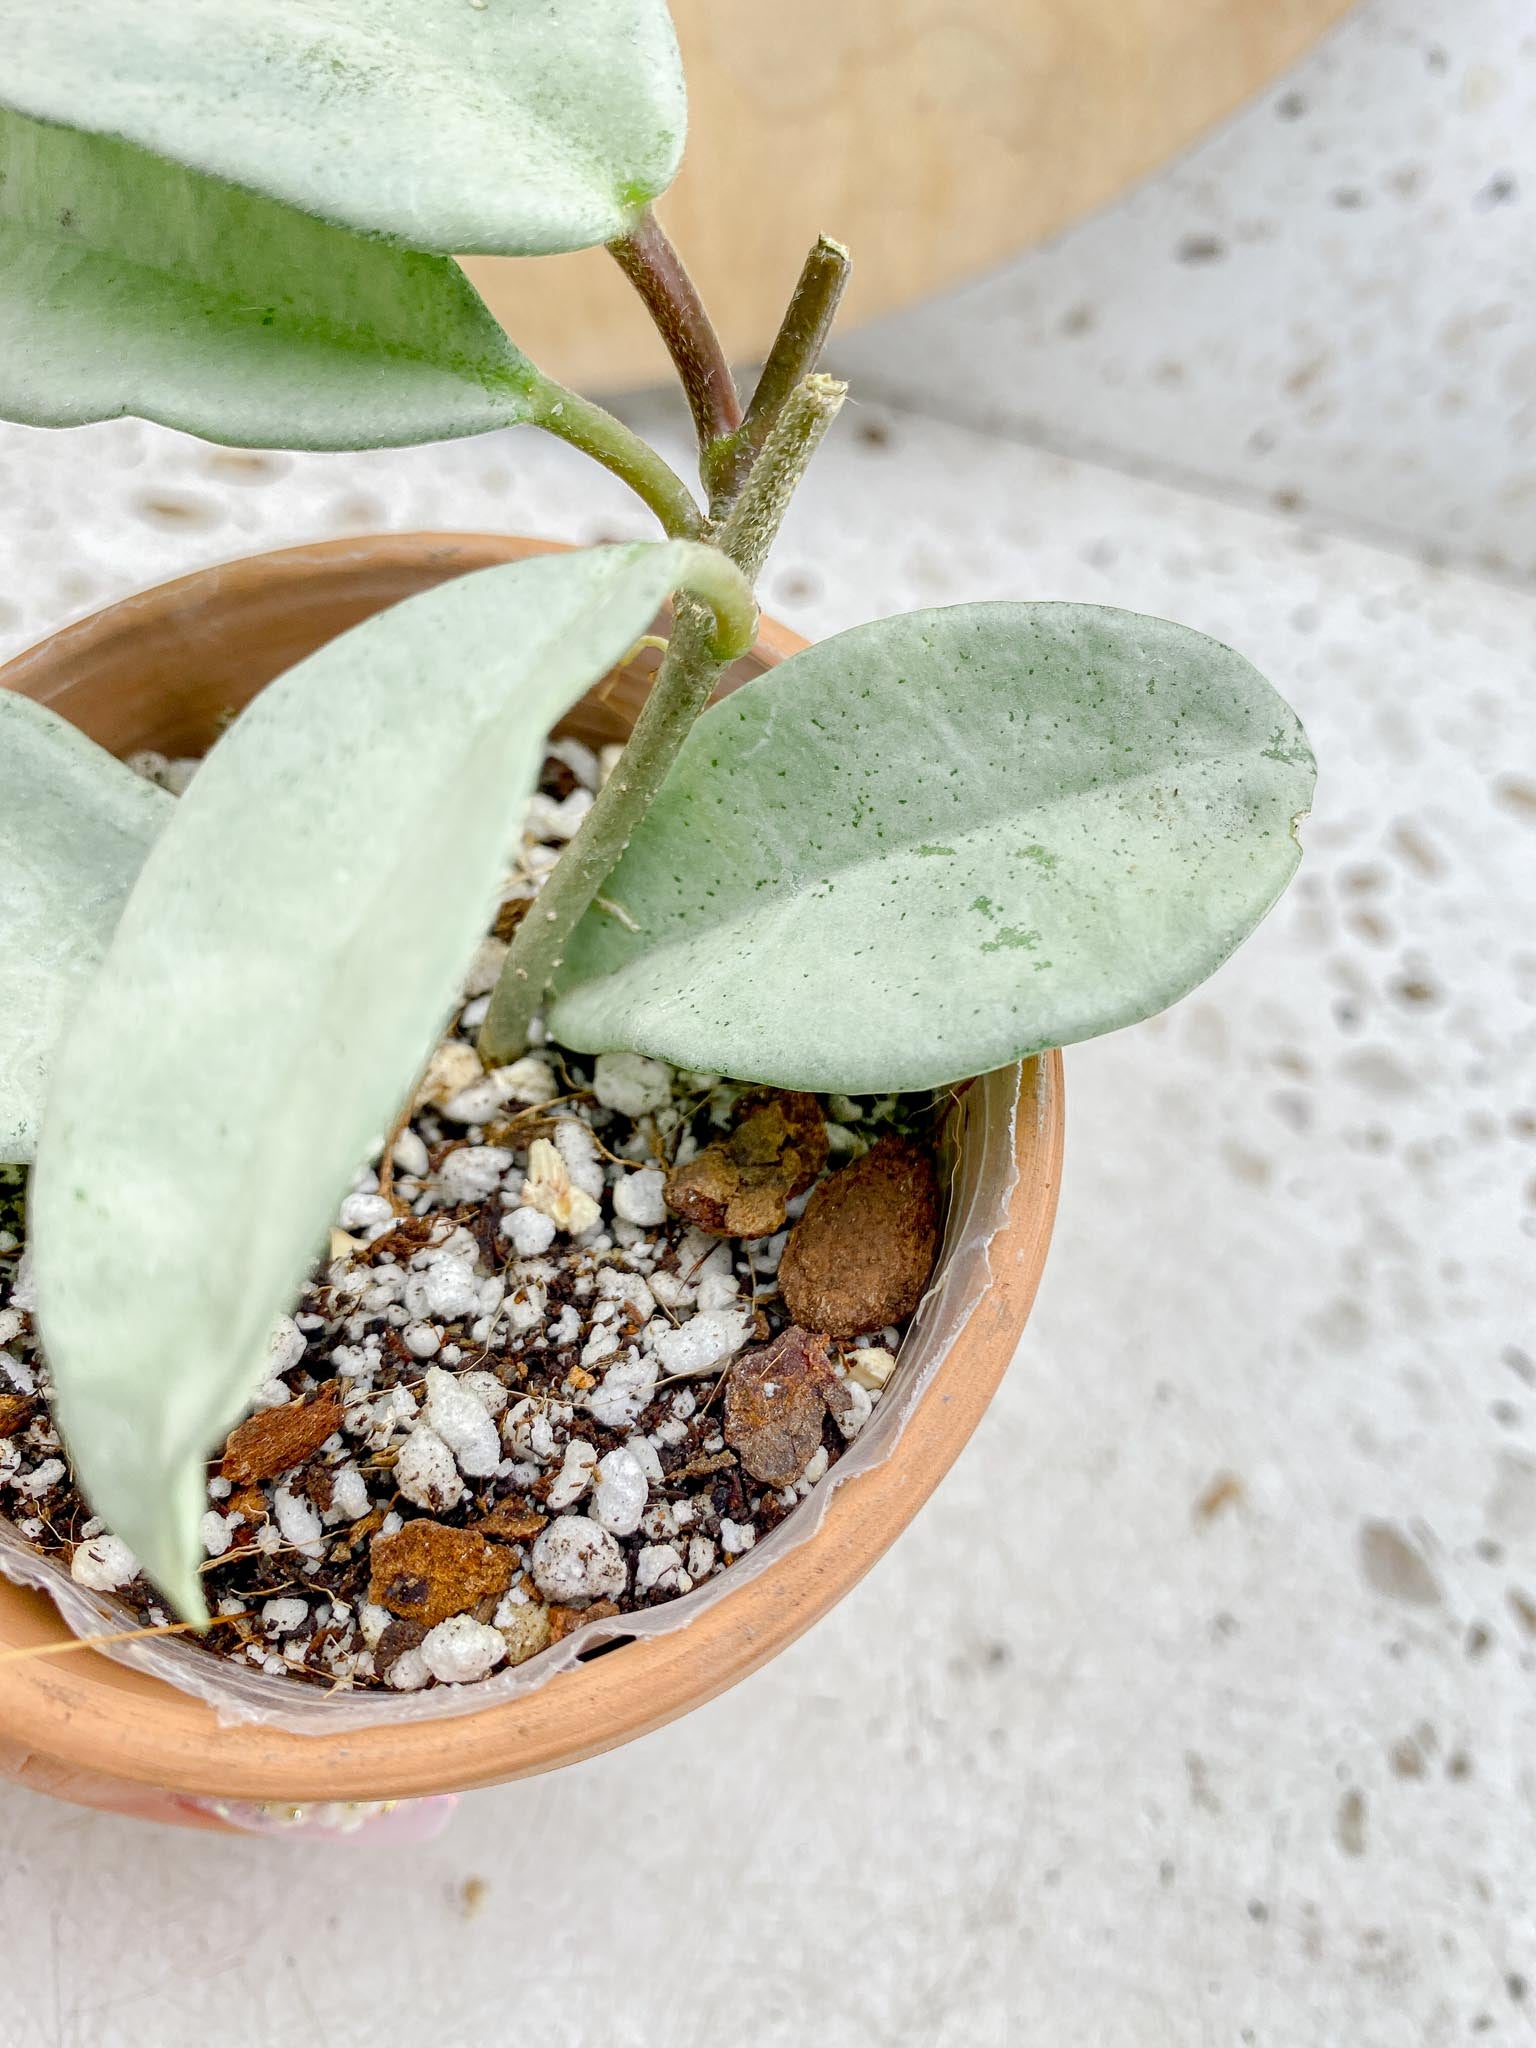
pixel 292 947
pixel 936 844
pixel 75 826
pixel 514 126
pixel 130 285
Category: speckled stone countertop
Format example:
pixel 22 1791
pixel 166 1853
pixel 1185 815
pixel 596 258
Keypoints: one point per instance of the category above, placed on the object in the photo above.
pixel 1325 306
pixel 1197 1707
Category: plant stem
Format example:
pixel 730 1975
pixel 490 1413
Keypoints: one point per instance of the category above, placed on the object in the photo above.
pixel 655 269
pixel 618 448
pixel 754 520
pixel 795 353
pixel 679 693
pixel 691 667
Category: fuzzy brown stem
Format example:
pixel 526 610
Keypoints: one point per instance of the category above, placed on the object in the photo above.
pixel 655 269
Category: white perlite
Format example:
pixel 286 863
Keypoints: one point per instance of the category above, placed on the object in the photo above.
pixel 43 1479
pixel 529 1081
pixel 623 1391
pixel 349 1494
pixel 408 1673
pixel 638 1198
pixel 575 1560
pixel 362 1212
pixel 461 1649
pixel 574 1141
pixel 631 1084
pixel 448 1288
pixel 409 1153
pixel 285 1347
pixel 460 1418
pixel 736 1536
pixel 105 1564
pixel 852 1417
pixel 704 1342
pixel 621 1492
pixel 426 1473
pixel 298 1520
pixel 644 1453
pixel 657 1562
pixel 528 1231
pixel 282 1617
pixel 574 1477
pixel 473 1173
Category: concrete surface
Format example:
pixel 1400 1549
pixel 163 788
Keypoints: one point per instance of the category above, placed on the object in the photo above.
pixel 1325 305
pixel 1197 1707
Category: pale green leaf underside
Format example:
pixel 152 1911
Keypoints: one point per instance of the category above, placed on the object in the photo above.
pixel 937 844
pixel 75 826
pixel 522 127
pixel 130 285
pixel 280 971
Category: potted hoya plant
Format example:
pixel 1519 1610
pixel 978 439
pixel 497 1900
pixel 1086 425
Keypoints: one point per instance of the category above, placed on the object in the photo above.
pixel 471 1195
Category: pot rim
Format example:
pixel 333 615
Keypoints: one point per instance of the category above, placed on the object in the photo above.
pixel 87 1712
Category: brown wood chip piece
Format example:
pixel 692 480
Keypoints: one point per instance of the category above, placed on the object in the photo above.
pixel 775 1405
pixel 250 1502
pixel 860 1256
pixel 511 1521
pixel 277 1439
pixel 563 1619
pixel 427 1571
pixel 701 1466
pixel 738 1187
pixel 15 1413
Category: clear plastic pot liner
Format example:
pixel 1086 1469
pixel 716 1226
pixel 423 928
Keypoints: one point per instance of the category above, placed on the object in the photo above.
pixel 978 1146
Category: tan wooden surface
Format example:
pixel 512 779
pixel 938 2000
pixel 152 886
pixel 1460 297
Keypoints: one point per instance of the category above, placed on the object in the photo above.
pixel 159 670
pixel 934 137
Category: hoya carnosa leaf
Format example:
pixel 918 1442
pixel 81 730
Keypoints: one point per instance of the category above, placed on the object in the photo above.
pixel 518 127
pixel 935 844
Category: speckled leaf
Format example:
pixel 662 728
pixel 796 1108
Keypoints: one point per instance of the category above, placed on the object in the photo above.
pixel 936 844
pixel 75 826
pixel 518 126
pixel 293 944
pixel 130 285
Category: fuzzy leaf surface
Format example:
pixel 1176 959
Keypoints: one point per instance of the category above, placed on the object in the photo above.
pixel 936 844
pixel 131 285
pixel 75 825
pixel 518 127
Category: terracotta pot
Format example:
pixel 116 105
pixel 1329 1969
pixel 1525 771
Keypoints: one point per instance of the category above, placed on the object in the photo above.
pixel 160 670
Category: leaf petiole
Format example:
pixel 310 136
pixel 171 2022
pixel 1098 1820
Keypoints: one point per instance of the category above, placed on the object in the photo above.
pixel 618 448
pixel 652 265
